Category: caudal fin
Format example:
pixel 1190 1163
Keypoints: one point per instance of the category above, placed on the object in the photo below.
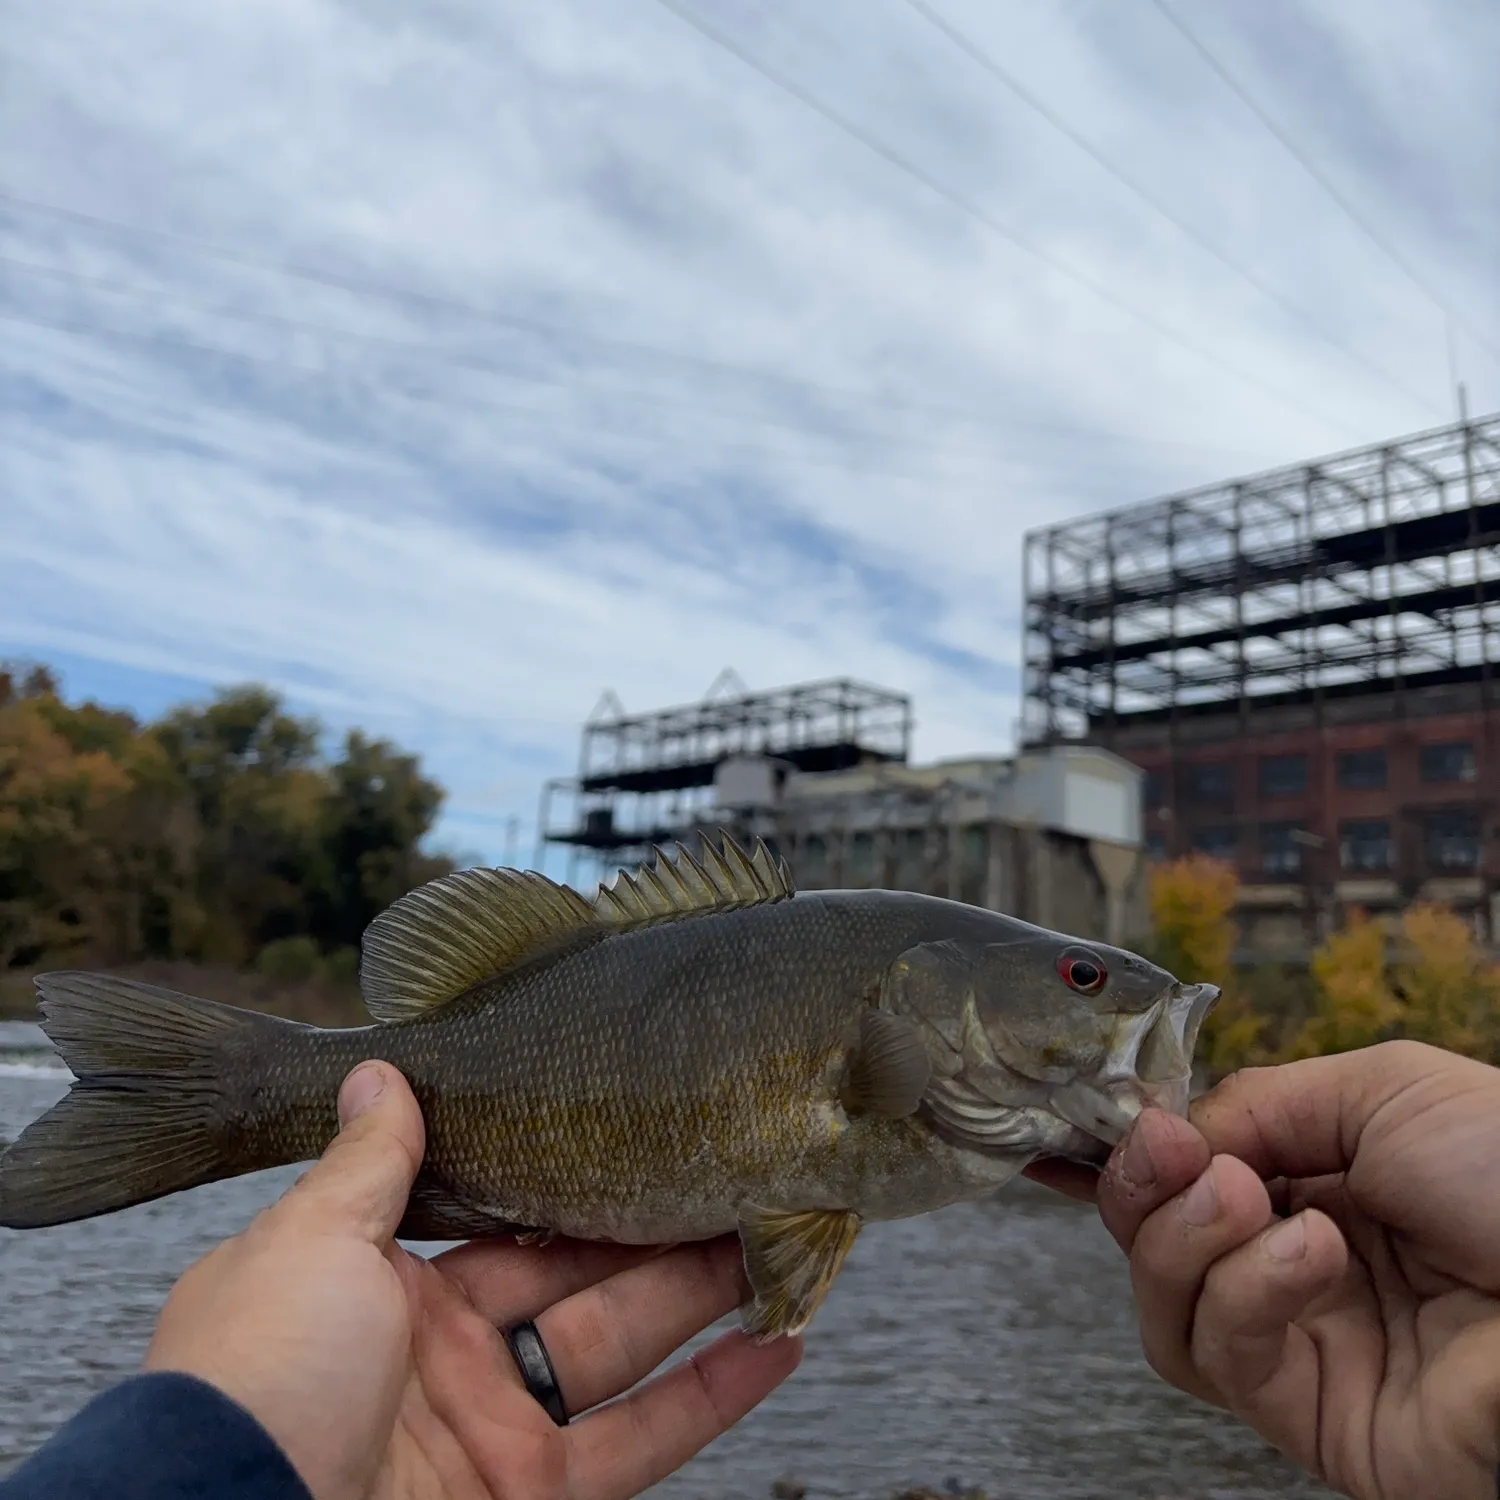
pixel 145 1114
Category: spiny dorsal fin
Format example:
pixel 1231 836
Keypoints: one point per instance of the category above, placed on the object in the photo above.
pixel 444 937
pixel 678 885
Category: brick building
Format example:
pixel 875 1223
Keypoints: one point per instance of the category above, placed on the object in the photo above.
pixel 1303 663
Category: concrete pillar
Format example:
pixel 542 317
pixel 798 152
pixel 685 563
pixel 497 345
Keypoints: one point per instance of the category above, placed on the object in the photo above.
pixel 996 896
pixel 1116 864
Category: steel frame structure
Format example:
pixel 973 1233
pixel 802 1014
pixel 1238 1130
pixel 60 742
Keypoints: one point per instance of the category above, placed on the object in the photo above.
pixel 1365 571
pixel 648 778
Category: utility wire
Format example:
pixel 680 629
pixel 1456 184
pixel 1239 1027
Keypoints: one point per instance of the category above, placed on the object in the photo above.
pixel 981 215
pixel 1375 237
pixel 1009 81
pixel 458 360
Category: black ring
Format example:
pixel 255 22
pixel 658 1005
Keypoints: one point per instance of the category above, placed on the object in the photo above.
pixel 537 1374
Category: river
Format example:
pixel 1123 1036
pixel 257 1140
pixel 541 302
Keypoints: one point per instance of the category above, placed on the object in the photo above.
pixel 988 1346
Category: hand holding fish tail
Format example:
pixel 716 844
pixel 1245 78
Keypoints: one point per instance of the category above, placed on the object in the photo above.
pixel 1318 1252
pixel 379 1373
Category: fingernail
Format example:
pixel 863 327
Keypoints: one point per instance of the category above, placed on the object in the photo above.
pixel 1136 1164
pixel 1201 1201
pixel 1286 1241
pixel 361 1089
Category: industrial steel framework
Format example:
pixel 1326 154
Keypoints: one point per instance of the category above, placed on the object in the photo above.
pixel 1366 571
pixel 648 778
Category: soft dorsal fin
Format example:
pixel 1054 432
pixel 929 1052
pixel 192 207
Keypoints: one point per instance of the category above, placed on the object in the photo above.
pixel 678 885
pixel 446 936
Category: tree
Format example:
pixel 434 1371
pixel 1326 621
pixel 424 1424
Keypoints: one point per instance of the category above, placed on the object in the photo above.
pixel 1192 902
pixel 253 772
pixel 1355 1004
pixel 379 810
pixel 1449 991
pixel 217 834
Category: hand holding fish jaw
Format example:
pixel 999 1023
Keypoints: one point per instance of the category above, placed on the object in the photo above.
pixel 1319 1253
pixel 382 1374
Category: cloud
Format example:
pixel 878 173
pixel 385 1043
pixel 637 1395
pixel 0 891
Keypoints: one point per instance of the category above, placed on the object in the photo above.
pixel 553 348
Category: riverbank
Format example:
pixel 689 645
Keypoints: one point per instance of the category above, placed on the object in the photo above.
pixel 319 1001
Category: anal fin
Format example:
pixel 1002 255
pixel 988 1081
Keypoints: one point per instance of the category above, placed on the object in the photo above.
pixel 791 1260
pixel 435 1213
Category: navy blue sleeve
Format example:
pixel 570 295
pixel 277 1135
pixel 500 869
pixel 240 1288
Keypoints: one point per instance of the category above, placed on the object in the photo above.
pixel 158 1437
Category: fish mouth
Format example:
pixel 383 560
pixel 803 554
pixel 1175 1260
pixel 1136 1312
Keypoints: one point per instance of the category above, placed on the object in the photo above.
pixel 1150 1065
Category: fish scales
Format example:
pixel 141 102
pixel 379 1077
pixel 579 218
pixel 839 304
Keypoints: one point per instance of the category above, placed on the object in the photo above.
pixel 697 1050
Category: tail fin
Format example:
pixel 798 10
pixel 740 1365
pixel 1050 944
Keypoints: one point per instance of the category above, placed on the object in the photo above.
pixel 145 1115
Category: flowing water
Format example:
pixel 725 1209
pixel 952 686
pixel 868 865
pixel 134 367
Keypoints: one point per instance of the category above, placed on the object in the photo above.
pixel 989 1346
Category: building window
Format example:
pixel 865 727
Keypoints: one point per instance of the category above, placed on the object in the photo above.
pixel 1362 770
pixel 1156 846
pixel 1365 845
pixel 1283 775
pixel 1154 790
pixel 1280 848
pixel 1446 762
pixel 812 862
pixel 1213 784
pixel 861 852
pixel 1453 839
pixel 911 861
pixel 1219 843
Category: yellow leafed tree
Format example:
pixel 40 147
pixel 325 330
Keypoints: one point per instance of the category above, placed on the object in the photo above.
pixel 1355 1004
pixel 1192 904
pixel 1449 989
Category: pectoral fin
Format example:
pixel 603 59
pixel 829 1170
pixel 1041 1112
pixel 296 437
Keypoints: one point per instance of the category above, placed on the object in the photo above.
pixel 791 1260
pixel 889 1068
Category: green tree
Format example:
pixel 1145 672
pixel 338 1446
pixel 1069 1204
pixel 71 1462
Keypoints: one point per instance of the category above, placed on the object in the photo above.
pixel 379 810
pixel 252 770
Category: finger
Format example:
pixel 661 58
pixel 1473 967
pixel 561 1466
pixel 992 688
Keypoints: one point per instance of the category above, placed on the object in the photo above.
pixel 1174 1251
pixel 1070 1178
pixel 361 1183
pixel 1160 1156
pixel 507 1282
pixel 622 1449
pixel 1305 1118
pixel 1244 1339
pixel 603 1340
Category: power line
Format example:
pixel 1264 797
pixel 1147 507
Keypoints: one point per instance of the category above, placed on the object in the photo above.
pixel 979 214
pixel 1322 179
pixel 1038 106
pixel 469 362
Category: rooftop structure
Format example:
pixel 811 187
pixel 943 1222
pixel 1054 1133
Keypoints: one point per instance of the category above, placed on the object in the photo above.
pixel 1374 570
pixel 642 777
pixel 1303 664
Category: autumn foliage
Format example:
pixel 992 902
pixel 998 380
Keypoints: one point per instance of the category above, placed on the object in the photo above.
pixel 1192 906
pixel 219 834
pixel 1421 975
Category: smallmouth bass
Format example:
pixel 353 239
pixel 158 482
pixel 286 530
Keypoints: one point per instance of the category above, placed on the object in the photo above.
pixel 697 1049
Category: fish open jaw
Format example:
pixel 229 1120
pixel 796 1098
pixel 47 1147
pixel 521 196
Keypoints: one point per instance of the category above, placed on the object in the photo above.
pixel 1149 1065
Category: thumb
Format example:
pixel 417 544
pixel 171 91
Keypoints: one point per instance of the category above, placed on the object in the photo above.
pixel 360 1185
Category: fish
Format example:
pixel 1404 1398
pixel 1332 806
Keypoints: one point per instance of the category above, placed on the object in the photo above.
pixel 696 1049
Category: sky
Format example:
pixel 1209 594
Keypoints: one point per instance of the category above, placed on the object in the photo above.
pixel 444 366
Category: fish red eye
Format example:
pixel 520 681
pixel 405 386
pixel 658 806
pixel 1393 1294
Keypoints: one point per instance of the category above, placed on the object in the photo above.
pixel 1082 974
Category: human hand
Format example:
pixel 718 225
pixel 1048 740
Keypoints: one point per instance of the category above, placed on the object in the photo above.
pixel 382 1374
pixel 1319 1253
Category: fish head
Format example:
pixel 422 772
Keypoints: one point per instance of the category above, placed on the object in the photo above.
pixel 1084 1033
